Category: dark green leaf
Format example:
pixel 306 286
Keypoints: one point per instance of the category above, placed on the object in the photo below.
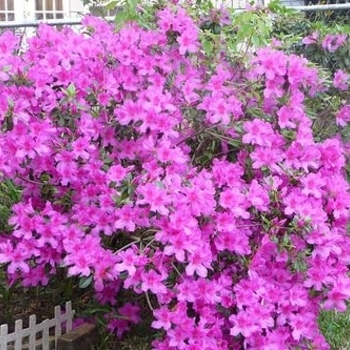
pixel 85 282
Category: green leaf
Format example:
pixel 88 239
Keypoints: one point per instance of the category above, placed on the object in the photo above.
pixel 70 91
pixel 92 309
pixel 120 18
pixel 85 282
pixel 256 40
pixel 111 5
pixel 246 30
pixel 207 46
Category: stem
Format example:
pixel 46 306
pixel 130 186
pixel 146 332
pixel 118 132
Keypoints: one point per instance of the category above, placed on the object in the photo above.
pixel 176 269
pixel 126 246
pixel 149 243
pixel 200 131
pixel 39 183
pixel 149 301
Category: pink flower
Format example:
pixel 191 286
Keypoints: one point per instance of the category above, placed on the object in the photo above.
pixel 243 323
pixel 103 222
pixel 311 39
pixel 235 241
pixel 235 201
pixel 333 42
pixel 129 261
pixel 119 326
pixel 155 197
pixel 199 262
pixel 82 148
pixel 258 132
pixel 153 281
pixel 313 185
pixel 272 63
pixel 16 257
pixel 317 275
pixel 125 218
pixel 103 98
pixel 303 325
pixel 166 19
pixel 263 158
pixel 163 316
pixel 185 290
pixel 285 117
pixel 131 311
pixel 167 153
pixel 275 43
pixel 343 116
pixel 220 111
pixel 340 80
pixel 6 249
pixel 129 111
pixel 188 41
pixel 35 277
pixel 178 245
pixel 298 296
pixel 338 295
pixel 80 264
pixel 258 196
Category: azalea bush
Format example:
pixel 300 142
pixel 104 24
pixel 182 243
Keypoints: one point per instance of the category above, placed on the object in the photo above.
pixel 155 165
pixel 324 43
pixel 327 46
pixel 331 51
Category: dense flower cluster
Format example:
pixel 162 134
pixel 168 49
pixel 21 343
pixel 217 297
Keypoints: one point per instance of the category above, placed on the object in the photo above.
pixel 235 218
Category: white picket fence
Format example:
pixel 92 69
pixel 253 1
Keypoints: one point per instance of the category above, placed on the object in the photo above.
pixel 38 336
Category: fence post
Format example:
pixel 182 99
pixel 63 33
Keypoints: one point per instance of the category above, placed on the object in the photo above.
pixel 46 335
pixel 18 333
pixel 69 316
pixel 3 337
pixel 32 334
pixel 58 329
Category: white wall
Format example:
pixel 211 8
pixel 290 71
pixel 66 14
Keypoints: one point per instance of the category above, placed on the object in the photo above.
pixel 75 8
pixel 25 9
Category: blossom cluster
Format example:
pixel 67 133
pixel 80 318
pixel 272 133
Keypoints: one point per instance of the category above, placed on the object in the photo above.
pixel 234 215
pixel 330 42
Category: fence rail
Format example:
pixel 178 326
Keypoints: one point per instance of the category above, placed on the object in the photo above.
pixel 38 336
pixel 53 22
pixel 323 7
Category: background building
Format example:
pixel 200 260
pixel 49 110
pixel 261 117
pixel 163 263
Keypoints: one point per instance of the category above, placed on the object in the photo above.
pixel 36 10
pixel 31 10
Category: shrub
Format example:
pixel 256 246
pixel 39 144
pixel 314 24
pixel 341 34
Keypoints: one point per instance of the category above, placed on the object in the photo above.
pixel 152 165
pixel 323 43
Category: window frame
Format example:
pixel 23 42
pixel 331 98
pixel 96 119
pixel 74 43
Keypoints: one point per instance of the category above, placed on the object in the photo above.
pixel 6 12
pixel 47 14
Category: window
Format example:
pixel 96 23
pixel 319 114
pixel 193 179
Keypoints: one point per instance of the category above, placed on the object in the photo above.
pixel 48 9
pixel 7 10
pixel 101 11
